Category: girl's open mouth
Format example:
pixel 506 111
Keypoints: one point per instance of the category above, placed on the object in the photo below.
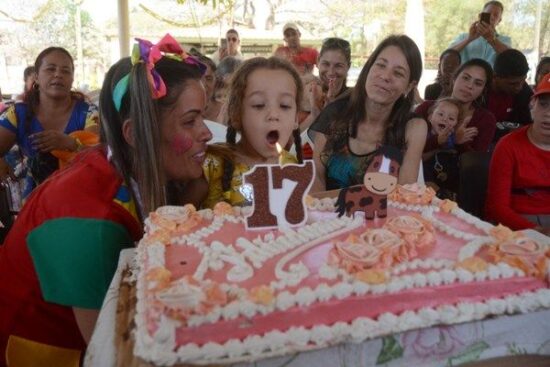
pixel 272 137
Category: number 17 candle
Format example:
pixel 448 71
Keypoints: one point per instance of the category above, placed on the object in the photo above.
pixel 279 194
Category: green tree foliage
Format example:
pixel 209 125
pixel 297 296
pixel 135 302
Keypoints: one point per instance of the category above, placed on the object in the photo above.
pixel 445 20
pixel 52 23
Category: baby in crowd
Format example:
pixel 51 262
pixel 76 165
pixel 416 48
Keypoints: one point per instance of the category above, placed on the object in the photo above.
pixel 439 158
pixel 443 119
pixel 263 108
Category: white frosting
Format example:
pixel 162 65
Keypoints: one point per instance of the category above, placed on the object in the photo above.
pixel 155 255
pixel 328 272
pixel 277 342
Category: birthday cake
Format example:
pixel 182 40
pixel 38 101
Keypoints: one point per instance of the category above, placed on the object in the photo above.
pixel 209 290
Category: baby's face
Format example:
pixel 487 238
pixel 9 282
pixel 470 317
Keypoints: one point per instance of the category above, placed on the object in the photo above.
pixel 444 117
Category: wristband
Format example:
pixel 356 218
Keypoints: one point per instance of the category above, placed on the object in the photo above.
pixel 79 144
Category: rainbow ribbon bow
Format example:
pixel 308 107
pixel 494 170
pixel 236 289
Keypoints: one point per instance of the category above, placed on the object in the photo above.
pixel 149 53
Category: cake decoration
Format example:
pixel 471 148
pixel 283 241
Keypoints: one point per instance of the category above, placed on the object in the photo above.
pixel 380 180
pixel 279 198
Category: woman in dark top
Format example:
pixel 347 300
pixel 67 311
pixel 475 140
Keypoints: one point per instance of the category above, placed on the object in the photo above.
pixel 474 131
pixel 477 127
pixel 449 61
pixel 378 113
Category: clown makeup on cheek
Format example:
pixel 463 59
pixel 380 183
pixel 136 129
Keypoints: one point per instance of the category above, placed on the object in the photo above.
pixel 181 144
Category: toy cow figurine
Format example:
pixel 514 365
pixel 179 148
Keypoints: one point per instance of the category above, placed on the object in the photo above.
pixel 380 179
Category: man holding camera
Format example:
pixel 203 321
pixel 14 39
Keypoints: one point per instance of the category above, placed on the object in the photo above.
pixel 229 47
pixel 482 41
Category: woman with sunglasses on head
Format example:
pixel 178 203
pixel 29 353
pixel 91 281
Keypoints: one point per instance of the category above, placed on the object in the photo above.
pixel 378 113
pixel 58 259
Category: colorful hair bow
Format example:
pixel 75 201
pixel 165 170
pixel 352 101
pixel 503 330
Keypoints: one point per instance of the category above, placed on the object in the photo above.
pixel 149 53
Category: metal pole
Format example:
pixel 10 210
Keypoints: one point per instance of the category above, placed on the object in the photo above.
pixel 123 28
pixel 79 51
pixel 538 17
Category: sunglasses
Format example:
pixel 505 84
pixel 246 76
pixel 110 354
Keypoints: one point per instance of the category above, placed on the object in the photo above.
pixel 335 42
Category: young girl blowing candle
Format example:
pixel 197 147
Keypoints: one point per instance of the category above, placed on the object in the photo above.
pixel 263 100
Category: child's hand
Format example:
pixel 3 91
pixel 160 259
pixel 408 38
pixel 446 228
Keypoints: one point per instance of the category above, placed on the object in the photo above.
pixel 444 135
pixel 465 135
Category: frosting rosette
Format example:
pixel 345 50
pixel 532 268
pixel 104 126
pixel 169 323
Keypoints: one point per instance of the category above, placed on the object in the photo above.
pixel 185 297
pixel 414 194
pixel 354 255
pixel 386 241
pixel 519 251
pixel 222 208
pixel 415 231
pixel 174 220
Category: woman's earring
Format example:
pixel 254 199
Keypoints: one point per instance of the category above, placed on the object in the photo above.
pixel 35 86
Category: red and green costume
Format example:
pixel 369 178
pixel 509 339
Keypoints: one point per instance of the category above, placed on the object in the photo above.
pixel 62 253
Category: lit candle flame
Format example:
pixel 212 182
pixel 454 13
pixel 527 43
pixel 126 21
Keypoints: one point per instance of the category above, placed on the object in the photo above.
pixel 280 151
pixel 279 148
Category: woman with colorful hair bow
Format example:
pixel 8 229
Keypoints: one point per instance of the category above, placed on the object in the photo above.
pixel 58 260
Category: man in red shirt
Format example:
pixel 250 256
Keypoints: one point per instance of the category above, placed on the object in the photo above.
pixel 509 95
pixel 303 58
pixel 518 194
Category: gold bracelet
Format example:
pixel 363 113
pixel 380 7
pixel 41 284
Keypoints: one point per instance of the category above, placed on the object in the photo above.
pixel 79 144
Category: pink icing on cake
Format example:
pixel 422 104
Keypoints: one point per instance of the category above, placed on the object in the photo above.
pixel 211 292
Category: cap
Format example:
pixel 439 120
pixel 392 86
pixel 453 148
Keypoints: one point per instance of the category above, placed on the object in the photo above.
pixel 290 25
pixel 543 87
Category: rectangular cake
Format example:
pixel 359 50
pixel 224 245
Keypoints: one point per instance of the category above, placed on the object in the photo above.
pixel 210 291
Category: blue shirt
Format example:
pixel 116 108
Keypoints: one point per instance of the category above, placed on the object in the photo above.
pixel 480 48
pixel 13 119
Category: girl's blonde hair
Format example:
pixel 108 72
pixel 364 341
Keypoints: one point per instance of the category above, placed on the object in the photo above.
pixel 450 100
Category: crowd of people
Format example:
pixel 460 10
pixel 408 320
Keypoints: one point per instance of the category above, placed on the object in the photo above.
pixel 178 127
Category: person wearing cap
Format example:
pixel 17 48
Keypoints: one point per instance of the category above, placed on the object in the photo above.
pixel 303 58
pixel 482 40
pixel 519 174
